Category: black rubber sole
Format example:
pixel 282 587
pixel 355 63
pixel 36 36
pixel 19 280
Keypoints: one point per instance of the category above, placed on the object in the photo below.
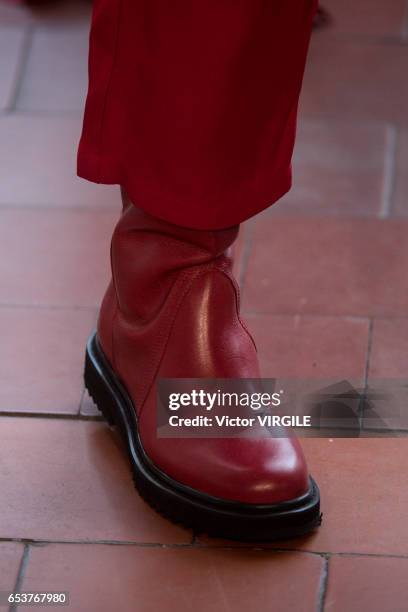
pixel 179 503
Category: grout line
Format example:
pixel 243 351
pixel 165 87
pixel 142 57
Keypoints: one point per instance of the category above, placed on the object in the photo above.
pixel 369 555
pixel 324 577
pixel 21 573
pixel 390 156
pixel 305 551
pixel 42 542
pixel 234 546
pixel 21 68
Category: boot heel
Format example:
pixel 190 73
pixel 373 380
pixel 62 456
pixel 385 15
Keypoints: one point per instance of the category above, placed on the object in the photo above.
pixel 96 383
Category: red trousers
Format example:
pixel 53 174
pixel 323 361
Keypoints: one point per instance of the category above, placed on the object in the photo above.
pixel 192 104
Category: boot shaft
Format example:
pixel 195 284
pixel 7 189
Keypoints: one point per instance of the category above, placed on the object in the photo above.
pixel 148 254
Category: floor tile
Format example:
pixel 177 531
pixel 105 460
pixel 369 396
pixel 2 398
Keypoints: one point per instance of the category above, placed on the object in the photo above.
pixel 69 480
pixel 11 45
pixel 363 583
pixel 364 498
pixel 310 347
pixel 54 258
pixel 338 169
pixel 41 359
pixel 127 578
pixel 62 53
pixel 38 164
pixel 310 286
pixel 328 266
pixel 355 81
pixel 389 350
pixel 10 558
pixel 388 375
pixel 401 182
pixel 366 17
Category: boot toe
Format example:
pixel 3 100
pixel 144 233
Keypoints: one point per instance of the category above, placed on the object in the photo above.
pixel 262 472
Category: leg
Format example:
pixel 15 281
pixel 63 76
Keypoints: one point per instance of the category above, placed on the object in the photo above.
pixel 192 105
pixel 194 129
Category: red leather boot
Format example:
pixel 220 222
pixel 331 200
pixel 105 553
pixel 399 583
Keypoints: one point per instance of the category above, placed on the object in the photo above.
pixel 172 311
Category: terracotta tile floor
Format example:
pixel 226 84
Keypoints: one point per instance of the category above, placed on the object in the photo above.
pixel 324 276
